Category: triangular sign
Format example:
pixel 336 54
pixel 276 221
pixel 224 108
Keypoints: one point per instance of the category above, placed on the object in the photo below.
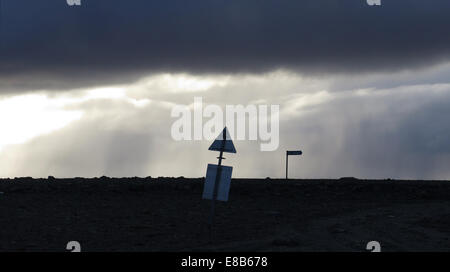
pixel 223 142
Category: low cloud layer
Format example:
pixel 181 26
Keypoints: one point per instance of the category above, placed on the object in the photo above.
pixel 49 45
pixel 396 132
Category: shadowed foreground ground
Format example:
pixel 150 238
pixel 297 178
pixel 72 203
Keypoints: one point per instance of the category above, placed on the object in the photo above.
pixel 262 215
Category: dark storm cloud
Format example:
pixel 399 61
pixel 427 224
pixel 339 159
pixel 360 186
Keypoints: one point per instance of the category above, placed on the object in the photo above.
pixel 47 44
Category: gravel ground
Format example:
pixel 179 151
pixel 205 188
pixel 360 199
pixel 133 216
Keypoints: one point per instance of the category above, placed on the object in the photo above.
pixel 168 214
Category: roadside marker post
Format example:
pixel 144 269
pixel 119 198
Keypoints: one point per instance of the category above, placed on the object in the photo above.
pixel 291 153
pixel 218 177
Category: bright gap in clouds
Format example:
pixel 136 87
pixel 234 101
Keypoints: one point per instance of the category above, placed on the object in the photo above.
pixel 188 83
pixel 26 116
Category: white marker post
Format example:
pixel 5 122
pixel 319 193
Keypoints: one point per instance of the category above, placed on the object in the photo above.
pixel 291 153
pixel 218 177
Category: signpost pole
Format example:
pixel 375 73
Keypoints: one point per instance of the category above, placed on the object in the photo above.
pixel 216 188
pixel 287 163
pixel 218 177
pixel 293 153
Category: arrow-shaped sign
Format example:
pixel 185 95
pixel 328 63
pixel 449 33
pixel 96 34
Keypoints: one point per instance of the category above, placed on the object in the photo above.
pixel 223 142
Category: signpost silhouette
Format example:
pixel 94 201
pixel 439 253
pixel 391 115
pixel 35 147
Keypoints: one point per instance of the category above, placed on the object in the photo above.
pixel 218 177
pixel 291 153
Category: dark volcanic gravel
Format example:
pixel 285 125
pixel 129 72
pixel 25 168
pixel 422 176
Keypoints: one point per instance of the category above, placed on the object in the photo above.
pixel 168 214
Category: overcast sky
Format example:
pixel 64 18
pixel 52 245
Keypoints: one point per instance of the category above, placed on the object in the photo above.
pixel 87 91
